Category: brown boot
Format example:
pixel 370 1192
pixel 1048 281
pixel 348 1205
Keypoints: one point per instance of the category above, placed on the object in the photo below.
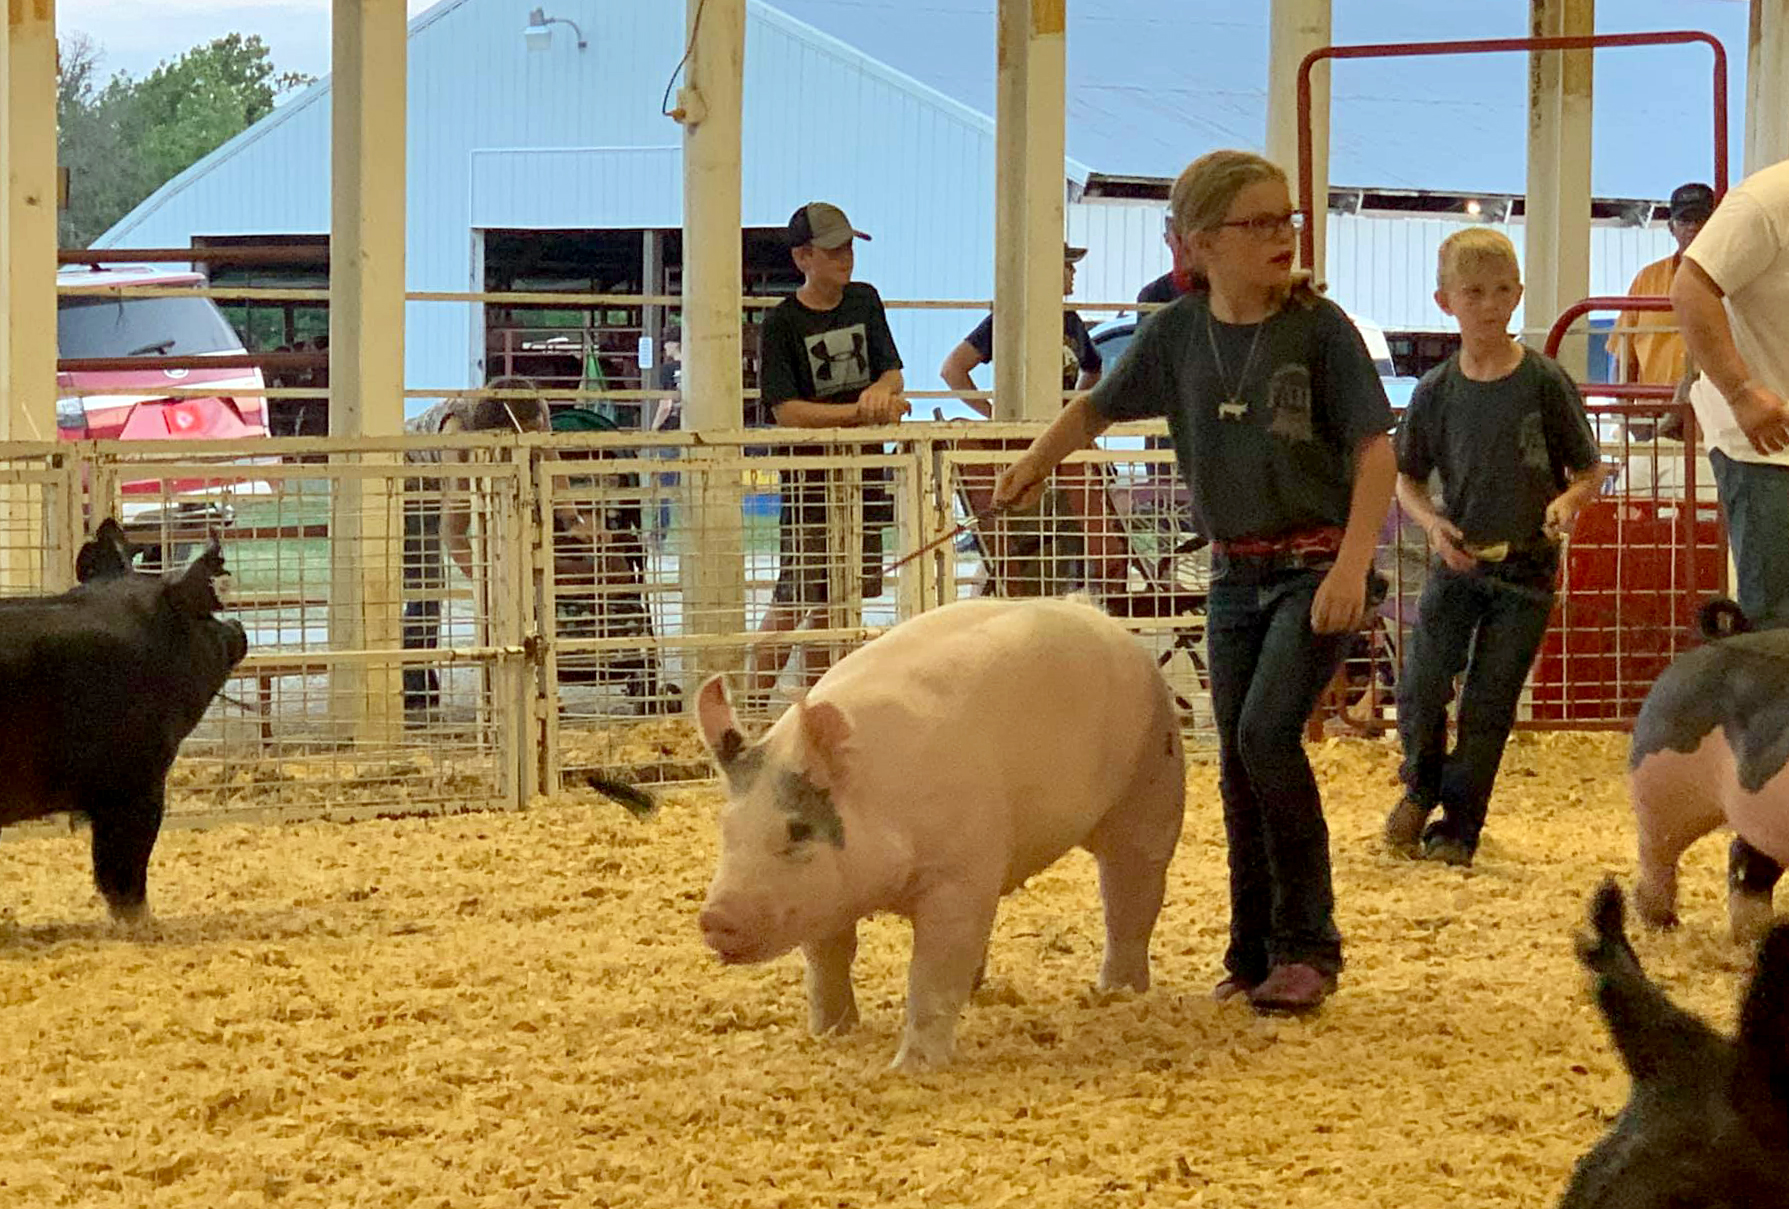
pixel 1292 990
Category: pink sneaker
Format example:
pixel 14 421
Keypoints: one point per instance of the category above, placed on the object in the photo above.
pixel 1292 989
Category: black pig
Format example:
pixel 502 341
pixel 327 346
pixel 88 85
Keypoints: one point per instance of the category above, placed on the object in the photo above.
pixel 1706 1125
pixel 98 688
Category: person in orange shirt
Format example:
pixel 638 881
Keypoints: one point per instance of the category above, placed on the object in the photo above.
pixel 1645 345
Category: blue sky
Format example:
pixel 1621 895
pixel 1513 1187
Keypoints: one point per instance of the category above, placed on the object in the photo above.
pixel 135 35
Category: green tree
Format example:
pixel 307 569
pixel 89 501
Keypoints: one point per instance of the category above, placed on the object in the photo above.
pixel 123 139
pixel 105 176
pixel 184 110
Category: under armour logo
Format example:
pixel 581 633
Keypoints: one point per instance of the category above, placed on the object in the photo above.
pixel 824 358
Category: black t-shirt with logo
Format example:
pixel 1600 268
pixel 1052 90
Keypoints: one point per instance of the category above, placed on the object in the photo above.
pixel 1079 356
pixel 1504 449
pixel 826 357
pixel 823 356
pixel 1266 441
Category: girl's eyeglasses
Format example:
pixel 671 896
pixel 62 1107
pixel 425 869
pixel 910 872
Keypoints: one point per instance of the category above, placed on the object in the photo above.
pixel 1266 226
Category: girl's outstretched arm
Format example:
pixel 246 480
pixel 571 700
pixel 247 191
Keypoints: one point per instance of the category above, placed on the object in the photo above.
pixel 1075 427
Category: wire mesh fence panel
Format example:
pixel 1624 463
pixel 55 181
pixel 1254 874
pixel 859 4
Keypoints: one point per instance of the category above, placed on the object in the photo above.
pixel 765 567
pixel 1641 561
pixel 440 623
pixel 1114 523
pixel 40 521
pixel 381 597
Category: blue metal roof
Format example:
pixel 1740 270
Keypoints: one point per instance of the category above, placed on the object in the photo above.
pixel 1153 83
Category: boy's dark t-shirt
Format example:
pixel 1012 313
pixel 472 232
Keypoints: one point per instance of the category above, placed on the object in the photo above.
pixel 1504 449
pixel 1267 452
pixel 1079 356
pixel 823 356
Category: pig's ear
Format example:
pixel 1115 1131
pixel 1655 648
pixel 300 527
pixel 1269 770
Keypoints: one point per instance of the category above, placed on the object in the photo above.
pixel 718 723
pixel 193 593
pixel 1761 1072
pixel 109 552
pixel 1658 1041
pixel 827 734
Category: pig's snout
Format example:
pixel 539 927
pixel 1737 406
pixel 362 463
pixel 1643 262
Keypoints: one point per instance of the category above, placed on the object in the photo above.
pixel 722 933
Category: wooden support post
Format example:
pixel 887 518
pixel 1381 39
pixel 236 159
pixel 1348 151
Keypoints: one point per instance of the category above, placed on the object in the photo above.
pixel 1767 85
pixel 1556 230
pixel 1013 45
pixel 709 106
pixel 1297 28
pixel 28 364
pixel 1046 92
pixel 366 322
pixel 1030 187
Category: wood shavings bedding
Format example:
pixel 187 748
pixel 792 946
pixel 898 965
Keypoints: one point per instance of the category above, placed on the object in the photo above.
pixel 516 1009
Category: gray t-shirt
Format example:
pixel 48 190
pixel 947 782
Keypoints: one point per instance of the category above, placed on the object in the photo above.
pixel 1267 441
pixel 1504 449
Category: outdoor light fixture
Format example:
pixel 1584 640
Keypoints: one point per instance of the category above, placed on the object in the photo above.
pixel 539 32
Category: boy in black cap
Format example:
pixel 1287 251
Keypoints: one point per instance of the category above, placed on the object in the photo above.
pixel 827 360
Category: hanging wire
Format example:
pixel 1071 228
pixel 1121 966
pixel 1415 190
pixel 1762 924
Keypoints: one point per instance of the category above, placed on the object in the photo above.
pixel 664 105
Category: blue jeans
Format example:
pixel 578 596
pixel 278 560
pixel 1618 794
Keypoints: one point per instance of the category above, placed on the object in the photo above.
pixel 1490 629
pixel 1755 498
pixel 1267 671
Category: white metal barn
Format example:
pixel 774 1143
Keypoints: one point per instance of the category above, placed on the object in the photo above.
pixel 885 107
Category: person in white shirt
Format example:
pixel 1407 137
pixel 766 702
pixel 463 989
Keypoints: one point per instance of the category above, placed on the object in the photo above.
pixel 1731 297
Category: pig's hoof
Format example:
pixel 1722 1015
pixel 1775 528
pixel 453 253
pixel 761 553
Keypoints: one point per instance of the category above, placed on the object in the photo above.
pixel 1749 916
pixel 916 1057
pixel 136 925
pixel 1115 984
pixel 1655 908
pixel 1404 828
pixel 834 1026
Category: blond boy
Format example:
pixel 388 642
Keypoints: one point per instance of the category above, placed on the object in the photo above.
pixel 1504 430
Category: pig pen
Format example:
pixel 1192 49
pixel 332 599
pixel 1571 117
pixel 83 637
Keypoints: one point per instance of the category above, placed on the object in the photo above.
pixel 515 1009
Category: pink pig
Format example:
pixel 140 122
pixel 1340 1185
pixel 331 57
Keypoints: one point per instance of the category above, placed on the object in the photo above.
pixel 929 773
pixel 1711 747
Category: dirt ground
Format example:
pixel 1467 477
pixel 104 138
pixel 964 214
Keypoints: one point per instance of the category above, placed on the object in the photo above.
pixel 516 1010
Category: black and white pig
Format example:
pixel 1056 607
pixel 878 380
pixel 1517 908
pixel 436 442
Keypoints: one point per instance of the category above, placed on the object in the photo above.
pixel 1711 747
pixel 98 688
pixel 1706 1125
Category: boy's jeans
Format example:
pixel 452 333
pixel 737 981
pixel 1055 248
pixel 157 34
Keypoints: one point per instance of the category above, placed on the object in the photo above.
pixel 1489 628
pixel 1267 671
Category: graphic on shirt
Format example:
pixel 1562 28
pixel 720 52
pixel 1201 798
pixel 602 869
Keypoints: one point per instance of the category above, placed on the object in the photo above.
pixel 1531 441
pixel 1289 397
pixel 840 360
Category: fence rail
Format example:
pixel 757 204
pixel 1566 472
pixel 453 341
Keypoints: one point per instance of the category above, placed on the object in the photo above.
pixel 462 621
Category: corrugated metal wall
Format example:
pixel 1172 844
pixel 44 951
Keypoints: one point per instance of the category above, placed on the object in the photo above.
pixel 504 137
pixel 501 136
pixel 1380 268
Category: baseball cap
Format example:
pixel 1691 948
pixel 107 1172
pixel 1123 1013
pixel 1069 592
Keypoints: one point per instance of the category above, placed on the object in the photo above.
pixel 1692 202
pixel 1072 254
pixel 822 224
